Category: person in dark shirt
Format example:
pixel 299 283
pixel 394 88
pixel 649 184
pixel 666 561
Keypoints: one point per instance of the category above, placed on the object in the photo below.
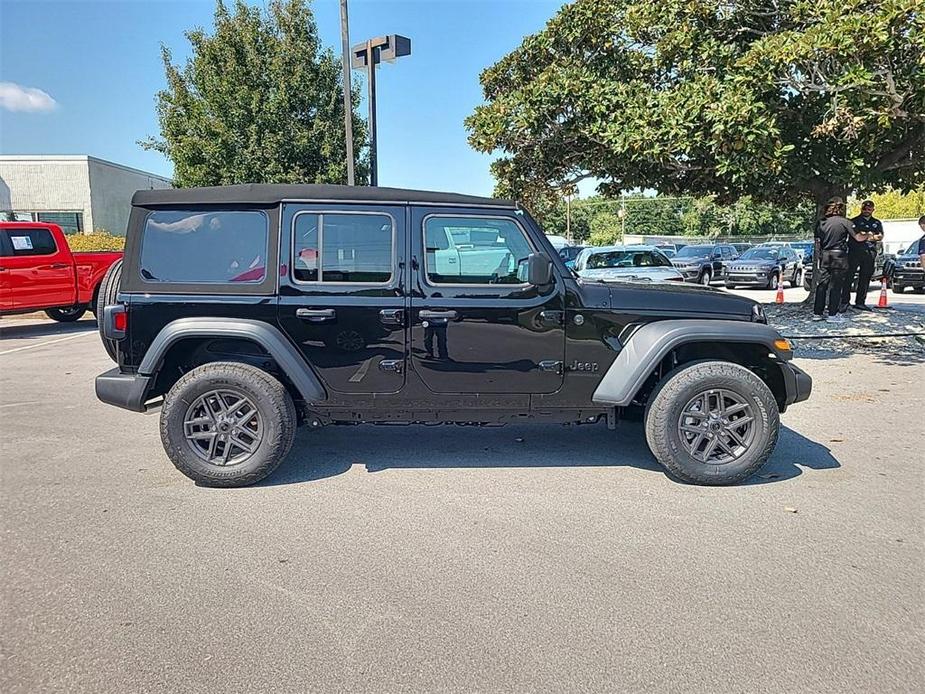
pixel 862 252
pixel 832 234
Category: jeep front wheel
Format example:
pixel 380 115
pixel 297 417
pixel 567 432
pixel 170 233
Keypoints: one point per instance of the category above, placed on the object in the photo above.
pixel 712 422
pixel 225 424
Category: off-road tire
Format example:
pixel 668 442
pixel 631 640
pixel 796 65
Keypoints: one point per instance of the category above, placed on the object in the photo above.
pixel 676 389
pixel 269 396
pixel 706 278
pixel 66 315
pixel 106 296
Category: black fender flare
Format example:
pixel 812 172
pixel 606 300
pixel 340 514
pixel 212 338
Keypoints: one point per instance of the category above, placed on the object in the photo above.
pixel 284 353
pixel 652 342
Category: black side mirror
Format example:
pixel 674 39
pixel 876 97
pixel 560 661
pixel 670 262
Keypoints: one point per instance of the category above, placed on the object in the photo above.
pixel 539 270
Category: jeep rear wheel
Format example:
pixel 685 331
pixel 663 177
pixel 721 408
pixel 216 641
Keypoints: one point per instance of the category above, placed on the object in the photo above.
pixel 227 425
pixel 712 422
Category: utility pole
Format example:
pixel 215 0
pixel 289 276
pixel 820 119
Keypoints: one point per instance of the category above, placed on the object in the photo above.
pixel 348 95
pixel 568 218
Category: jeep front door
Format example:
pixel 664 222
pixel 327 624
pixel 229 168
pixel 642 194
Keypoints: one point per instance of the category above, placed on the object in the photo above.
pixel 341 293
pixel 477 325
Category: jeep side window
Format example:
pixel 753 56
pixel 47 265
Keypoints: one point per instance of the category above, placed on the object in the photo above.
pixel 204 247
pixel 353 247
pixel 494 253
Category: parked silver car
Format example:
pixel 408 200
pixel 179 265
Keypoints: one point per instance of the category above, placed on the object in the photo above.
pixel 626 264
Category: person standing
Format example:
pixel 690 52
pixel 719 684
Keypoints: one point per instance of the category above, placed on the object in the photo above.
pixel 832 232
pixel 862 253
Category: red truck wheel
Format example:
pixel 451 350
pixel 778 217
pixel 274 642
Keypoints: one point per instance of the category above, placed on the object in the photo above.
pixel 66 315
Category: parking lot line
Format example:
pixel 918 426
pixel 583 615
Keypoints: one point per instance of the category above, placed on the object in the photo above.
pixel 47 342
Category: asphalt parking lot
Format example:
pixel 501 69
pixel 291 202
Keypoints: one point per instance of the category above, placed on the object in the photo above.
pixel 526 558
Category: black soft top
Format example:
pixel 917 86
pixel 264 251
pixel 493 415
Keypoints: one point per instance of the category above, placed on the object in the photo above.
pixel 270 193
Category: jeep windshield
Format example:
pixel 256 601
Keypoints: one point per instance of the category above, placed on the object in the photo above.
pixel 760 254
pixel 694 252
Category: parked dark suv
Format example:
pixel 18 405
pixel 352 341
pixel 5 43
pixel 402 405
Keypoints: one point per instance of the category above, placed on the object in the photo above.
pixel 229 304
pixel 907 271
pixel 704 263
pixel 765 266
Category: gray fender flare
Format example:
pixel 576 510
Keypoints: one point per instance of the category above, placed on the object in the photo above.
pixel 650 343
pixel 284 353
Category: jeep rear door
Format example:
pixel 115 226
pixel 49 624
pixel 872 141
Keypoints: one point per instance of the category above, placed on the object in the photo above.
pixel 342 298
pixel 482 328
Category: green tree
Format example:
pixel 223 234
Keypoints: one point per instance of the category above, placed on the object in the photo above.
pixel 260 100
pixel 892 204
pixel 781 101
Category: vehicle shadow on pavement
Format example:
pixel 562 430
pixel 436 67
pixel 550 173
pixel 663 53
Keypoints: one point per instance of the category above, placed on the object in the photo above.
pixel 793 453
pixel 336 450
pixel 10 329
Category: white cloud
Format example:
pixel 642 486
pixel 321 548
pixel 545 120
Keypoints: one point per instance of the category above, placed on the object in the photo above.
pixel 15 97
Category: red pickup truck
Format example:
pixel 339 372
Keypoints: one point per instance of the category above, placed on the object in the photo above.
pixel 39 272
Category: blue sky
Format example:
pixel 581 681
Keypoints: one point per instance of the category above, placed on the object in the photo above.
pixel 100 63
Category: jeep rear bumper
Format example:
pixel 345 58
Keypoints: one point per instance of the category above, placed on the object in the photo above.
pixel 797 383
pixel 128 391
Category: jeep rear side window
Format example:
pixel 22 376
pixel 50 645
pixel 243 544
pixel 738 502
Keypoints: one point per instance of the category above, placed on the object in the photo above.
pixel 204 247
pixel 355 247
pixel 474 250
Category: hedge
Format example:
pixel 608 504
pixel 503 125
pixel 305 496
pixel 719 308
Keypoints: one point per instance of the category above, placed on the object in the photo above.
pixel 97 241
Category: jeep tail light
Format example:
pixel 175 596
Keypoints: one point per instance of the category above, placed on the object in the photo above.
pixel 115 322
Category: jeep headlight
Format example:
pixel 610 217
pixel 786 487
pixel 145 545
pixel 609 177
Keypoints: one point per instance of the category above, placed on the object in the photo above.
pixel 758 315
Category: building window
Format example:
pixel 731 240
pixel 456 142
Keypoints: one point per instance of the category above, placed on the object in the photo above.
pixel 70 222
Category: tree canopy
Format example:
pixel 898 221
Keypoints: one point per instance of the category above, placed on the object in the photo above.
pixel 777 100
pixel 260 100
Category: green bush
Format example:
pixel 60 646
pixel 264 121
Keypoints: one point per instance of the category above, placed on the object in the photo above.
pixel 97 241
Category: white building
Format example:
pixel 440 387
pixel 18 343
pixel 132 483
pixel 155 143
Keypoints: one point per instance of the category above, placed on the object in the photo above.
pixel 80 193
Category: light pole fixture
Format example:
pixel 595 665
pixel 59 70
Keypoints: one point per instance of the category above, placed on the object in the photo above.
pixel 367 55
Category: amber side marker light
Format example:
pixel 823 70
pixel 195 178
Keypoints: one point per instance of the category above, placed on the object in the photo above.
pixel 783 345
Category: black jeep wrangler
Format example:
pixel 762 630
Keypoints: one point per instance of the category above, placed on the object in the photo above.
pixel 244 311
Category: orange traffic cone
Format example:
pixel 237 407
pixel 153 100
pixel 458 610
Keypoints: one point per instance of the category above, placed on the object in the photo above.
pixel 882 303
pixel 780 292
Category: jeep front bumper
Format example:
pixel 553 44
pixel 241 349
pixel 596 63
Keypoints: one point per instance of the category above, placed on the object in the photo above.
pixel 797 383
pixel 128 391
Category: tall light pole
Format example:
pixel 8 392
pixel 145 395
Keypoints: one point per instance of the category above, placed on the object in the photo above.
pixel 367 55
pixel 348 95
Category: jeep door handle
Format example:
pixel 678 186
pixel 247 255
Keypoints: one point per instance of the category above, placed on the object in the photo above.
pixel 316 315
pixel 392 316
pixel 430 315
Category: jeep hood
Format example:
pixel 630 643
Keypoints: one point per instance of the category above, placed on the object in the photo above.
pixel 678 299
